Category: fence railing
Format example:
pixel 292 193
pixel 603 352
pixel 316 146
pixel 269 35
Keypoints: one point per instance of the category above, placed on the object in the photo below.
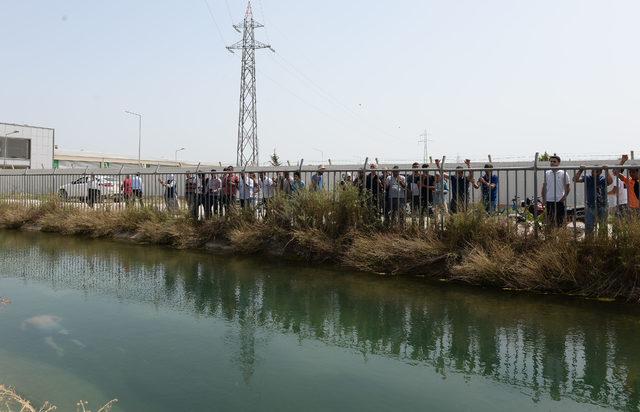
pixel 421 195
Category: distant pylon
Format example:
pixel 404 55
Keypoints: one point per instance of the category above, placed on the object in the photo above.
pixel 248 154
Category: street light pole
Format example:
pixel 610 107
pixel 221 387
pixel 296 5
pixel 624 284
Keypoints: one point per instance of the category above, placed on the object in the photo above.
pixel 139 132
pixel 4 157
pixel 321 154
pixel 178 150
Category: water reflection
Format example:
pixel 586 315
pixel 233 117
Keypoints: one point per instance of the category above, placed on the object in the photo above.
pixel 543 346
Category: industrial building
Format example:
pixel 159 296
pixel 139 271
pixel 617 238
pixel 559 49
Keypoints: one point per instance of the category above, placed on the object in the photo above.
pixel 26 147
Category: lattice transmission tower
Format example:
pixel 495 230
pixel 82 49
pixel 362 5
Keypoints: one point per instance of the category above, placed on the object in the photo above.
pixel 248 154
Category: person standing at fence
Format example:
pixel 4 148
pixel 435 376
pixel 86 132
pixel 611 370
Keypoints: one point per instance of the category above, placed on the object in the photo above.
pixel 298 184
pixel 317 180
pixel 488 184
pixel 127 189
pixel 632 182
pixel 245 190
pixel 375 188
pixel 201 197
pixel 170 193
pixel 414 184
pixel 396 186
pixel 266 190
pixel 284 183
pixel 191 186
pixel 427 187
pixel 555 189
pixel 460 183
pixel 441 190
pixel 214 185
pixel 137 187
pixel 230 183
pixel 618 197
pixel 93 191
pixel 595 187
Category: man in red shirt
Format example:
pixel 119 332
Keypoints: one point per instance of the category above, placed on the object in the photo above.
pixel 229 188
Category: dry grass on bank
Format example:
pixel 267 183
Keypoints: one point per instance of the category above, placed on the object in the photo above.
pixel 10 401
pixel 472 248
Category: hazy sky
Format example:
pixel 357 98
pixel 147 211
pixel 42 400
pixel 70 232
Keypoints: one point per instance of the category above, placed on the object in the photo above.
pixel 350 78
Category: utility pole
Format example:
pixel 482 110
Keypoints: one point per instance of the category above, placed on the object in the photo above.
pixel 248 154
pixel 424 138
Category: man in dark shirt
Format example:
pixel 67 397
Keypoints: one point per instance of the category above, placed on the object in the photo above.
pixel 459 188
pixel 375 187
pixel 596 202
pixel 488 184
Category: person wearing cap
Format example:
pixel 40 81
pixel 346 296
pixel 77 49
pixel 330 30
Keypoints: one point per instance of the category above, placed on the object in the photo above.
pixel 488 184
pixel 595 187
pixel 555 189
pixel 632 182
pixel 317 180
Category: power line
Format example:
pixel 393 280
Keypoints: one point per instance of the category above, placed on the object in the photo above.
pixel 215 22
pixel 330 98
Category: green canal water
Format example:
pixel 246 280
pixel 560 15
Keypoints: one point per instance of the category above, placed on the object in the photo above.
pixel 166 330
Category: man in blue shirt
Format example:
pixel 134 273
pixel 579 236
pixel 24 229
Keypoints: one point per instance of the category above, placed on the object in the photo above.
pixel 488 184
pixel 596 203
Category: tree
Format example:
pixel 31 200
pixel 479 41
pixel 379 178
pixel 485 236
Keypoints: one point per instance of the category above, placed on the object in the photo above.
pixel 544 157
pixel 275 159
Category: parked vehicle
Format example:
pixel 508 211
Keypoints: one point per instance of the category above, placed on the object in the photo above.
pixel 109 187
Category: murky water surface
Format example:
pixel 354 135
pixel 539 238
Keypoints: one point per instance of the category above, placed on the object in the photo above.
pixel 165 330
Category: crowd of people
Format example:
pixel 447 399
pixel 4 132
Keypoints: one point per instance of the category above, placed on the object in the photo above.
pixel 392 195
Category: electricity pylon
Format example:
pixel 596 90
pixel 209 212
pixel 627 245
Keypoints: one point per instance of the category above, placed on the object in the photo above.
pixel 248 154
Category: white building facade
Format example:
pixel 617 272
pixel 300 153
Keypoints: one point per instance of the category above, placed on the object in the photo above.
pixel 26 147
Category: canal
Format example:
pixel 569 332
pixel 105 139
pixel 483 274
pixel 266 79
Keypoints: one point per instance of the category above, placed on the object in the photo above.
pixel 167 330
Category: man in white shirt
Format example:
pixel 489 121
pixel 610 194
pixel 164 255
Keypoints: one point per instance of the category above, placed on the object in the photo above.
pixel 93 191
pixel 555 189
pixel 618 202
pixel 245 190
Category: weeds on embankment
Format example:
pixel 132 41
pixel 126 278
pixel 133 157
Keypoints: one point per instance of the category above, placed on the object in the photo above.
pixel 324 227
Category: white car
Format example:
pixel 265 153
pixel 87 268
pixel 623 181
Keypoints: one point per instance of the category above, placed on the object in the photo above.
pixel 108 186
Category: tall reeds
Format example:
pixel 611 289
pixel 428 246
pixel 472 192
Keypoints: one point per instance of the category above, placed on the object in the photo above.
pixel 340 228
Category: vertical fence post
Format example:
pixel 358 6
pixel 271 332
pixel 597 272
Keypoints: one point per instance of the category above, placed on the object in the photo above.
pixel 444 200
pixel 535 195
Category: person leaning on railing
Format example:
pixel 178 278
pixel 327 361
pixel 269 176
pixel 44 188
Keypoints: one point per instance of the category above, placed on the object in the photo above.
pixel 595 186
pixel 555 189
pixel 396 186
pixel 618 197
pixel 374 185
pixel 633 186
pixel 488 184
pixel 459 184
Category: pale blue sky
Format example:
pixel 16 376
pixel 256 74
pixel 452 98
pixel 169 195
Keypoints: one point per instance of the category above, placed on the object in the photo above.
pixel 503 77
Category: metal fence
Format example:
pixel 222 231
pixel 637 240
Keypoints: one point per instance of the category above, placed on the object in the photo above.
pixel 422 195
